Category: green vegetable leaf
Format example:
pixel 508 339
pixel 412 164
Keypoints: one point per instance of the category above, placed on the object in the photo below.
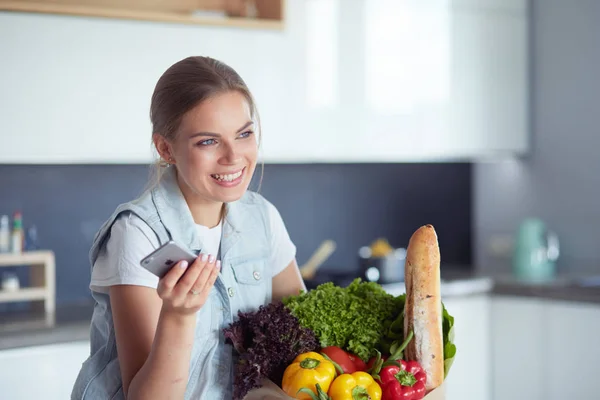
pixel 394 332
pixel 449 346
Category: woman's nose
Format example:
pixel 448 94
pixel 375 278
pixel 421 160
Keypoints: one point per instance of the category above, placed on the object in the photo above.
pixel 231 155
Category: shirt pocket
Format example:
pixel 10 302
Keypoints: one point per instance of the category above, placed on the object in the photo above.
pixel 252 283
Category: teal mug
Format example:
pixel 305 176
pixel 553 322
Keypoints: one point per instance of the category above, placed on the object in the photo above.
pixel 536 251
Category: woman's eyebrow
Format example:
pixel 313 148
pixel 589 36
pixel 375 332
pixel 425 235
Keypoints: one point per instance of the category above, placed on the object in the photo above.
pixel 216 135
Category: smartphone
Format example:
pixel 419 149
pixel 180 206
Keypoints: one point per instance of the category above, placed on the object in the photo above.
pixel 161 260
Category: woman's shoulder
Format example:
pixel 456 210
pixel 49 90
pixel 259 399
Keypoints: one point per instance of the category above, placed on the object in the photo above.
pixel 129 240
pixel 129 228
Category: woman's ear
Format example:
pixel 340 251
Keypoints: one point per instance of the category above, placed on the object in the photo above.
pixel 163 147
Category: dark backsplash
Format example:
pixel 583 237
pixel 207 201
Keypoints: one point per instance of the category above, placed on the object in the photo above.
pixel 352 204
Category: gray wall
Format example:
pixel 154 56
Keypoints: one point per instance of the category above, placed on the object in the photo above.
pixel 560 180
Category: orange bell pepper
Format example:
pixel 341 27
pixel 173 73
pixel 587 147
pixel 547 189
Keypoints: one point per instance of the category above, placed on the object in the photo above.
pixel 357 386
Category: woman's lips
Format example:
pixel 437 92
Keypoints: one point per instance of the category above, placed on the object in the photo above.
pixel 229 180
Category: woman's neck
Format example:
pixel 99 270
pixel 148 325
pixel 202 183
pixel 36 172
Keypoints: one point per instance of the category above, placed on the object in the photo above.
pixel 207 214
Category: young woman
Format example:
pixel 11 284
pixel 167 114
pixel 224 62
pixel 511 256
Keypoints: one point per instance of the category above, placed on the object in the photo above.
pixel 162 339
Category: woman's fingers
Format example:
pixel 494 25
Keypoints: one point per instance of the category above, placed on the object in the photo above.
pixel 213 277
pixel 186 282
pixel 186 287
pixel 169 281
pixel 204 284
pixel 202 279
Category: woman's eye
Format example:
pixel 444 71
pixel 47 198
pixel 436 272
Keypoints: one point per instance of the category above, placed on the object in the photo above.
pixel 246 134
pixel 206 142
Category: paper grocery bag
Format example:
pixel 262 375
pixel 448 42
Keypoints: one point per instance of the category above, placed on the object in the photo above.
pixel 438 394
pixel 270 391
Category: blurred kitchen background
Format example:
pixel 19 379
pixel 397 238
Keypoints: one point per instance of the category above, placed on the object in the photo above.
pixel 477 116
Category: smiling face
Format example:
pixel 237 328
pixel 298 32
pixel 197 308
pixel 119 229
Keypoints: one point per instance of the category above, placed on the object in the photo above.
pixel 215 149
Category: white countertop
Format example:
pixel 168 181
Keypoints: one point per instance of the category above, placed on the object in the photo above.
pixel 449 288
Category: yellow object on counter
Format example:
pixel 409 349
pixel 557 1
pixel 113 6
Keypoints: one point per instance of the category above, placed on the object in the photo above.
pixel 306 371
pixel 350 386
pixel 381 248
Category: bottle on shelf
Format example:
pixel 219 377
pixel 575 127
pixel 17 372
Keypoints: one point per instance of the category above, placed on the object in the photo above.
pixel 17 233
pixel 31 239
pixel 5 245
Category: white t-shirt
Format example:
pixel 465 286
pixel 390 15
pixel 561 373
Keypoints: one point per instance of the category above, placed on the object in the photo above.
pixel 131 239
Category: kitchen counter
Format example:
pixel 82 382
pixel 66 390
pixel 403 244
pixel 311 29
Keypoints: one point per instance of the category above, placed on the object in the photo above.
pixel 451 288
pixel 458 282
pixel 576 290
pixel 71 323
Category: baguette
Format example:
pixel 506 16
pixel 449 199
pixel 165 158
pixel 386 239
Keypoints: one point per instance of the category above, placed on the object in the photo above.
pixel 423 306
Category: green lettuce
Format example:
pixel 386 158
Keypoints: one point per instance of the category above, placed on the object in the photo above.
pixel 353 318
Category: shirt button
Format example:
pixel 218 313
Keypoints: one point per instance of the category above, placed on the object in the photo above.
pixel 256 275
pixel 230 291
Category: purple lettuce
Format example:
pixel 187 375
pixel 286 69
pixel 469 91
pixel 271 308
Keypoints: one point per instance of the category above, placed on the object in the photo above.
pixel 267 341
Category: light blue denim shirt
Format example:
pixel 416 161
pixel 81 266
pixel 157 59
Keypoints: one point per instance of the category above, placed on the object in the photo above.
pixel 243 285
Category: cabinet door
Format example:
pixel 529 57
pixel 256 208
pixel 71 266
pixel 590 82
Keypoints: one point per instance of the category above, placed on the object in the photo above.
pixel 470 375
pixel 489 106
pixel 572 350
pixel 406 74
pixel 441 81
pixel 518 348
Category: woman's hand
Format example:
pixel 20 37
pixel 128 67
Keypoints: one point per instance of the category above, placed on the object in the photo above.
pixel 184 289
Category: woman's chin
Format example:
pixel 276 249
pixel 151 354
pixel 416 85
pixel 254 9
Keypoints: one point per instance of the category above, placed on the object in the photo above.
pixel 228 195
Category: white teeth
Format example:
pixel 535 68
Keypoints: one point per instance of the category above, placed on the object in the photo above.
pixel 229 177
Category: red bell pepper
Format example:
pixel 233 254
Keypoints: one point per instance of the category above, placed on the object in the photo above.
pixel 399 379
pixel 405 382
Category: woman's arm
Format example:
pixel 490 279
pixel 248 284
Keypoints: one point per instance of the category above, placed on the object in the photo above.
pixel 288 282
pixel 140 327
pixel 155 330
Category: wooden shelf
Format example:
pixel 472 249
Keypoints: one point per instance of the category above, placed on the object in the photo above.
pixel 42 279
pixel 26 258
pixel 143 14
pixel 34 293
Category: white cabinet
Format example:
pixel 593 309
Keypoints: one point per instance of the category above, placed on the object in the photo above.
pixel 442 80
pixel 518 350
pixel 400 81
pixel 358 81
pixel 571 350
pixel 489 98
pixel 539 343
pixel 41 372
pixel 470 375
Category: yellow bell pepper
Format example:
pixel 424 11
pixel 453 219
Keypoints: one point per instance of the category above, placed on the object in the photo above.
pixel 306 371
pixel 357 386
